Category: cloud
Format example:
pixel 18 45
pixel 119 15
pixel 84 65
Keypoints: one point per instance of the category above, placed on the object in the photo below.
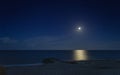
pixel 57 43
pixel 7 43
pixel 7 40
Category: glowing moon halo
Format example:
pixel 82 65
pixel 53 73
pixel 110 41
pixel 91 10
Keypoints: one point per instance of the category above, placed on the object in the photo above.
pixel 78 28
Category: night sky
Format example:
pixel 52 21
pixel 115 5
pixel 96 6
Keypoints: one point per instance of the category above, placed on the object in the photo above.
pixel 42 24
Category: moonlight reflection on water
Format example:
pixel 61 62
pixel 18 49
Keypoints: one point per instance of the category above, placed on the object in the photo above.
pixel 80 55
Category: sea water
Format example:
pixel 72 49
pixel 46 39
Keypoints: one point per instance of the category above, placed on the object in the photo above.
pixel 19 57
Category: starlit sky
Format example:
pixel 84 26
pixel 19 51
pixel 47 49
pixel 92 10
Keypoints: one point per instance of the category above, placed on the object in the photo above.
pixel 60 24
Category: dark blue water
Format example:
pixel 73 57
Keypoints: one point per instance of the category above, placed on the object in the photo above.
pixel 10 57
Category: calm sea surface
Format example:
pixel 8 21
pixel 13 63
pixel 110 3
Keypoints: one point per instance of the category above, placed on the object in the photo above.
pixel 11 57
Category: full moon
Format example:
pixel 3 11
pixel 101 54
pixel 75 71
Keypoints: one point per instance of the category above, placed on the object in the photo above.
pixel 78 28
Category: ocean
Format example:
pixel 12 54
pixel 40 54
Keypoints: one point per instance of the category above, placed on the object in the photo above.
pixel 18 57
